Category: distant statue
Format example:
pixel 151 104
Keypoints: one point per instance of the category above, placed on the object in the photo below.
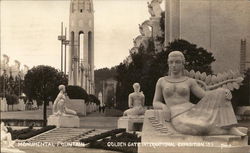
pixel 135 102
pixel 154 8
pixel 145 29
pixel 59 106
pixel 5 65
pixel 212 115
pixel 150 9
pixel 6 140
pixel 15 69
pixel 5 61
pixel 137 41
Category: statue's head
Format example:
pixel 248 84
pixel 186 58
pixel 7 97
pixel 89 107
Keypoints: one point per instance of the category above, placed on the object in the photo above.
pixel 176 62
pixel 62 88
pixel 136 87
pixel 2 125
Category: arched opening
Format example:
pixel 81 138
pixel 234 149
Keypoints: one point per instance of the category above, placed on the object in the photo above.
pixel 81 45
pixel 73 63
pixel 89 47
pixel 72 40
pixel 90 58
pixel 81 57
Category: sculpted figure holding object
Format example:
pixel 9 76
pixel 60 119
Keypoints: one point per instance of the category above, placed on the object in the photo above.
pixel 212 115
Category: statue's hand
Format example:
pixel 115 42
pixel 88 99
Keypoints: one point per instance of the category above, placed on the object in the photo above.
pixel 228 94
pixel 165 108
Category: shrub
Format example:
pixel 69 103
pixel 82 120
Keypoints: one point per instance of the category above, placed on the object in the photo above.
pixel 28 132
pixel 125 137
pixel 101 136
pixel 76 92
pixel 93 98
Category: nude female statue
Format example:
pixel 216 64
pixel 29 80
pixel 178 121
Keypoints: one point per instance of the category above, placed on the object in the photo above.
pixel 213 115
pixel 135 102
pixel 59 106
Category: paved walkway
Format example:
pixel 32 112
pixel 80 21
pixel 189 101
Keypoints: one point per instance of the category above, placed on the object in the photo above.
pixel 62 150
pixel 93 120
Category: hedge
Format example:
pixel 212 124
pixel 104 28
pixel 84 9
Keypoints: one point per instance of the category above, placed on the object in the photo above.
pixel 102 135
pixel 28 132
pixel 76 92
pixel 125 137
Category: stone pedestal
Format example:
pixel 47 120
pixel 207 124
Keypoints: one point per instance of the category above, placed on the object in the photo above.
pixel 64 121
pixel 11 150
pixel 77 105
pixel 129 122
pixel 160 136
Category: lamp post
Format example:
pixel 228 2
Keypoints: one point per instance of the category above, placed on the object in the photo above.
pixel 62 38
pixel 65 43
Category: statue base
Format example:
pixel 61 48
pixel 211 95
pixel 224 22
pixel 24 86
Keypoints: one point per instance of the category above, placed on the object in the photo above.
pixel 131 123
pixel 11 150
pixel 64 121
pixel 159 136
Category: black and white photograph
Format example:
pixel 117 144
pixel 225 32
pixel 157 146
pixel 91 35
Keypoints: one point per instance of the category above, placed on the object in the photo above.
pixel 132 76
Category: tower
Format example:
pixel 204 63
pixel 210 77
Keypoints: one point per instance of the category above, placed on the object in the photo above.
pixel 242 55
pixel 172 20
pixel 81 52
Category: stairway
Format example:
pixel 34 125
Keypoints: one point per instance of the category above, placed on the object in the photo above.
pixel 65 135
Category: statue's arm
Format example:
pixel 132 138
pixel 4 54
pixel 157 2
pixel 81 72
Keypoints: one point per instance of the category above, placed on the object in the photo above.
pixel 4 128
pixel 66 97
pixel 143 100
pixel 158 97
pixel 130 101
pixel 196 89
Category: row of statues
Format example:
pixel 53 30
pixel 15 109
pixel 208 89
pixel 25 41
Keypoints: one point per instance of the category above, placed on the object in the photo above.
pixel 13 70
pixel 212 115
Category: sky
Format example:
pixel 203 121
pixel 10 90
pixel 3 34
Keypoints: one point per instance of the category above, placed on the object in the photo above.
pixel 29 30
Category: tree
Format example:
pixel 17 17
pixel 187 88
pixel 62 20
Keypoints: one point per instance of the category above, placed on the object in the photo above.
pixel 241 97
pixel 77 92
pixel 11 85
pixel 41 83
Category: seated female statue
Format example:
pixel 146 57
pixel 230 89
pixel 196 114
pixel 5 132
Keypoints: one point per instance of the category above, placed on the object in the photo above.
pixel 212 115
pixel 59 106
pixel 135 102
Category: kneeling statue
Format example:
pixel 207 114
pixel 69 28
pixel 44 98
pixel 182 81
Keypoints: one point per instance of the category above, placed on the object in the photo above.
pixel 135 102
pixel 59 106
